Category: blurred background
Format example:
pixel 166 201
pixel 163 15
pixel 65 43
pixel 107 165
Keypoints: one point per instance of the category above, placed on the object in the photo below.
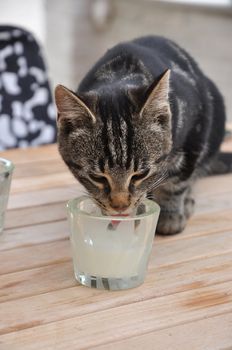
pixel 75 33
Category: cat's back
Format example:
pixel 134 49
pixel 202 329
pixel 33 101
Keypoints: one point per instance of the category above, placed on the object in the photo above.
pixel 146 57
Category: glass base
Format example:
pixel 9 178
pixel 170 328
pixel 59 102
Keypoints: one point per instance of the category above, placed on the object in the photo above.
pixel 109 283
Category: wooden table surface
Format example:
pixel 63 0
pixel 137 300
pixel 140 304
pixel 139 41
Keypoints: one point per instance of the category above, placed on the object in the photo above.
pixel 184 304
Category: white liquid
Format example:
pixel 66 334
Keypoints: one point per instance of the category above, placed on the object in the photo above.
pixel 118 253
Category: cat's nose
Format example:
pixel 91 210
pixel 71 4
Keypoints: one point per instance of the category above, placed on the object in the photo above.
pixel 119 201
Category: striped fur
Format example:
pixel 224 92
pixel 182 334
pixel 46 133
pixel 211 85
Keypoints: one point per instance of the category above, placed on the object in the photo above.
pixel 145 121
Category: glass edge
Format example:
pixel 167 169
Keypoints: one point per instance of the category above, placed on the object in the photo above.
pixel 8 164
pixel 70 206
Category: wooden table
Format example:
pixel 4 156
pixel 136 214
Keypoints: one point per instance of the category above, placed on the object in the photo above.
pixel 184 304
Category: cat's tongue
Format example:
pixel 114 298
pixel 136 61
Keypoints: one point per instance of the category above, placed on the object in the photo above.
pixel 115 222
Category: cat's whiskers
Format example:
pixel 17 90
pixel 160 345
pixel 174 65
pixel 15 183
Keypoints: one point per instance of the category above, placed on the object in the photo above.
pixel 156 186
pixel 139 199
pixel 158 182
pixel 98 203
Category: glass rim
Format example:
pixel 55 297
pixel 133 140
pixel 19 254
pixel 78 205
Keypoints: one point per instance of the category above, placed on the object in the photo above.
pixel 8 165
pixel 154 208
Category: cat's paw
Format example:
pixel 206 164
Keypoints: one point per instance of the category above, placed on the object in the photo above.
pixel 189 204
pixel 171 223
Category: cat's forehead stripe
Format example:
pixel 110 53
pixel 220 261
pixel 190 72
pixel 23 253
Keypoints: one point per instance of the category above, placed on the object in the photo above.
pixel 101 164
pixel 117 132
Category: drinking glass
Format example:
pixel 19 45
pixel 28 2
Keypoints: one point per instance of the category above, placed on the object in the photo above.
pixel 6 170
pixel 111 252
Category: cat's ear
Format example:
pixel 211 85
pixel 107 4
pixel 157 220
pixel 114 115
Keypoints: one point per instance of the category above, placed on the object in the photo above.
pixel 156 106
pixel 71 108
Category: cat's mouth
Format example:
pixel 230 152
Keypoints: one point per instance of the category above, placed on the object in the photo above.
pixel 110 213
pixel 130 211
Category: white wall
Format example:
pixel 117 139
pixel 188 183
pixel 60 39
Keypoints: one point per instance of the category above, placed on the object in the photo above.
pixel 30 14
pixel 203 2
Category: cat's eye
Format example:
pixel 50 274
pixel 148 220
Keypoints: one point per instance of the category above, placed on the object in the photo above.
pixel 99 179
pixel 141 176
pixel 73 165
pixel 102 180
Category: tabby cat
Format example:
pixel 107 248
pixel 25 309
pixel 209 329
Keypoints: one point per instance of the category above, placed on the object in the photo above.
pixel 145 121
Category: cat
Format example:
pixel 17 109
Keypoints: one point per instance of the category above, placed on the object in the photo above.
pixel 145 121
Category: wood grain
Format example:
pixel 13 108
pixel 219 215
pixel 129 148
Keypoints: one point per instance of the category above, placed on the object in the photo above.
pixel 41 182
pixel 37 168
pixel 197 335
pixel 111 324
pixel 187 292
pixel 44 306
pixel 44 197
pixel 33 215
pixel 165 254
pixel 22 223
pixel 162 280
pixel 26 236
pixel 33 154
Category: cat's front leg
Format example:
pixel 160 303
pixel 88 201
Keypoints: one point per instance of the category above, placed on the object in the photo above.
pixel 177 205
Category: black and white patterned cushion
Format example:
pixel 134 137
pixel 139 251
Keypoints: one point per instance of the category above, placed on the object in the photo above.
pixel 27 112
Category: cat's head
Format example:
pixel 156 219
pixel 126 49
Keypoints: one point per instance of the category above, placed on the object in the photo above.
pixel 116 141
